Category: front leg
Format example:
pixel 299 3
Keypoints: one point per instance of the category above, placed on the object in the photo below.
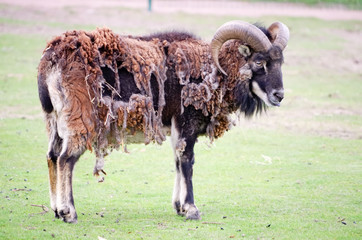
pixel 187 202
pixel 183 197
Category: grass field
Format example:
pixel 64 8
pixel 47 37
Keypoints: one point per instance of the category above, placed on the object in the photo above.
pixel 293 173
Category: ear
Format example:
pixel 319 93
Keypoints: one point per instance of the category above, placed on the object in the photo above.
pixel 276 53
pixel 244 50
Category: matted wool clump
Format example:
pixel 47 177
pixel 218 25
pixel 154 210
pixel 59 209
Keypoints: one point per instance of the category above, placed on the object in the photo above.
pixel 88 54
pixel 111 118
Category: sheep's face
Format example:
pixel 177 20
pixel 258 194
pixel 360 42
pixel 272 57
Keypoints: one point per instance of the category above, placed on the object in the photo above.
pixel 267 81
pixel 260 62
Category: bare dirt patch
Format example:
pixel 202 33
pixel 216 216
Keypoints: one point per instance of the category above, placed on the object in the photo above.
pixel 311 121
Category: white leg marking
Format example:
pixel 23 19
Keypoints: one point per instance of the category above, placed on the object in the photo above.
pixel 176 192
pixel 183 190
pixel 176 188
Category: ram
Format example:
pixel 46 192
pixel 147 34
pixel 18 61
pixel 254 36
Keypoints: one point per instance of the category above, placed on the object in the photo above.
pixel 100 90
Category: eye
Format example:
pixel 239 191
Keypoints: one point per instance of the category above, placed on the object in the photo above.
pixel 259 63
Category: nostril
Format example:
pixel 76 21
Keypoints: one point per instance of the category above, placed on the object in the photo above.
pixel 279 95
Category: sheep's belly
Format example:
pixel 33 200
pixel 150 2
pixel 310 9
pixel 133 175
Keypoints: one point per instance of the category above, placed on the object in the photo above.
pixel 139 136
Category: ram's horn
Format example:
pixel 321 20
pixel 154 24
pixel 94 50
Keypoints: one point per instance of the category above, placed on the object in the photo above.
pixel 246 32
pixel 280 34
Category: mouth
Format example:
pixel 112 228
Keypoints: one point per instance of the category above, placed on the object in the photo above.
pixel 273 101
pixel 275 97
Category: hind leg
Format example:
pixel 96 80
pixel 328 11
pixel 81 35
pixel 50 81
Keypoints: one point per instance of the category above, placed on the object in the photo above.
pixel 55 147
pixel 65 203
pixel 52 167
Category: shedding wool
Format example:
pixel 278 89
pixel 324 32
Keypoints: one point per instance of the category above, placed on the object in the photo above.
pixel 209 92
pixel 103 118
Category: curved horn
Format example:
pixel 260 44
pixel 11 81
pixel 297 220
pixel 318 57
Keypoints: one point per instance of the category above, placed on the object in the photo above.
pixel 244 31
pixel 280 34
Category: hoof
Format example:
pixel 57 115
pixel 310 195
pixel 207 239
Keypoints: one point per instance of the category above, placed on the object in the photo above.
pixel 56 215
pixel 193 214
pixel 67 216
pixel 99 173
pixel 177 207
pixel 190 211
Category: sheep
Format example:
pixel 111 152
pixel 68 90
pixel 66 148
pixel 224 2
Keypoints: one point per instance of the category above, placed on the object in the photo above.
pixel 100 90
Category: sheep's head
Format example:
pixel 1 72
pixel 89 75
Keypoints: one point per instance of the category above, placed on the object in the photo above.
pixel 263 53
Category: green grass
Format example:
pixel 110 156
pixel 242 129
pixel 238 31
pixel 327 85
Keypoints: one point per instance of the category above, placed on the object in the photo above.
pixel 301 188
pixel 280 178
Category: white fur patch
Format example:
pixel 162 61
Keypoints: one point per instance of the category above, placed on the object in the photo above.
pixel 260 93
pixel 174 139
pixel 53 80
pixel 183 190
pixel 174 134
pixel 176 188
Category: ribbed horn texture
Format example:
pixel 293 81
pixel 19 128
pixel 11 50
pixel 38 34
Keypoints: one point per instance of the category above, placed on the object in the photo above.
pixel 246 32
pixel 280 34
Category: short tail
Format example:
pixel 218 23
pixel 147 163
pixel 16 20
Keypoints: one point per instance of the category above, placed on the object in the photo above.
pixel 43 89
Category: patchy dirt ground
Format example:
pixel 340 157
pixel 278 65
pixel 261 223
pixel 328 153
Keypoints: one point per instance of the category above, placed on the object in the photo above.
pixel 236 8
pixel 106 13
